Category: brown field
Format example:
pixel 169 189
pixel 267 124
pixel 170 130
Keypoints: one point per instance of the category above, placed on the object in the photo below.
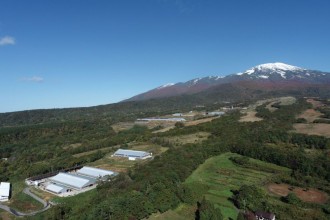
pixel 313 129
pixel 199 121
pixel 187 123
pixel 315 103
pixel 310 115
pixel 164 129
pixel 309 195
pixel 250 117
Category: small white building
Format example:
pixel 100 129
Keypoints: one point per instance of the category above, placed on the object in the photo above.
pixel 53 188
pixel 4 191
pixel 132 154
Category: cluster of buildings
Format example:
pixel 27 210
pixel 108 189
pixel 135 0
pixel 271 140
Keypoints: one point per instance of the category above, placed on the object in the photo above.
pixel 82 179
pixel 4 191
pixel 67 183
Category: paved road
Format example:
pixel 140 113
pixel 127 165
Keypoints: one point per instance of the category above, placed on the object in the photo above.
pixel 20 214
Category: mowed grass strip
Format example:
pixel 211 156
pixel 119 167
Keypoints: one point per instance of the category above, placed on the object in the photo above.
pixel 220 176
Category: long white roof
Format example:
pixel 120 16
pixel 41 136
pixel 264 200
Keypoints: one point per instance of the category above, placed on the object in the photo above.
pixel 72 180
pixel 4 189
pixel 131 153
pixel 94 172
pixel 54 188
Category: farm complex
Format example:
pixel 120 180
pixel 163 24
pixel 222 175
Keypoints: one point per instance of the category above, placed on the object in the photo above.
pixel 73 182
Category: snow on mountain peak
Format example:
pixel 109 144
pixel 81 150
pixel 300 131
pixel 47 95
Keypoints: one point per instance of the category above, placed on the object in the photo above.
pixel 277 66
pixel 166 85
pixel 269 68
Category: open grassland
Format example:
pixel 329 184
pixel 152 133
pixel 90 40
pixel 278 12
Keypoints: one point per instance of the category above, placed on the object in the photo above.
pixel 121 126
pixel 220 176
pixel 250 112
pixel 188 139
pixel 313 129
pixel 168 127
pixel 249 116
pixel 119 164
pixel 216 178
pixel 310 115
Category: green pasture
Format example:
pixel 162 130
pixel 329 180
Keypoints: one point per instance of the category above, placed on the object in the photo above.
pixel 218 176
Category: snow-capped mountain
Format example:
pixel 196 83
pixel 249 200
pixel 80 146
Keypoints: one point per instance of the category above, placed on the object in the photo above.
pixel 281 71
pixel 274 73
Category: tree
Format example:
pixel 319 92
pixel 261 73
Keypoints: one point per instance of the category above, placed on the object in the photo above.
pixel 207 211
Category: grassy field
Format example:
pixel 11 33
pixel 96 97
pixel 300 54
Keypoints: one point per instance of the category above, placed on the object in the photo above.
pixel 216 179
pixel 123 164
pixel 188 139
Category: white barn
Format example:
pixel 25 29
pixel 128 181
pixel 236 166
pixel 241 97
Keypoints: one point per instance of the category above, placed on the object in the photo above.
pixel 72 181
pixel 56 188
pixel 132 154
pixel 4 191
pixel 95 172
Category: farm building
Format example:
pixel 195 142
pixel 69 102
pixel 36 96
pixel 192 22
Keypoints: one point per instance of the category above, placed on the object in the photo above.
pixel 95 172
pixel 72 181
pixel 132 154
pixel 56 188
pixel 214 113
pixel 4 191
pixel 160 119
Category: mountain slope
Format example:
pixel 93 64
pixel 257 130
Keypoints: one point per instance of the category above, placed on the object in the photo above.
pixel 269 73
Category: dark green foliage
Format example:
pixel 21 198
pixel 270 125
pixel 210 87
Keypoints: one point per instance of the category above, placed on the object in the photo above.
pixel 179 125
pixel 292 199
pixel 250 197
pixel 207 211
pixel 301 120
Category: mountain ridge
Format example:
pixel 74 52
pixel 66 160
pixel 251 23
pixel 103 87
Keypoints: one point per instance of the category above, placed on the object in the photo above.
pixel 269 72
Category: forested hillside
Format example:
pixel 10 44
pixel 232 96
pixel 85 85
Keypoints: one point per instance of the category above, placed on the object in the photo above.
pixel 158 185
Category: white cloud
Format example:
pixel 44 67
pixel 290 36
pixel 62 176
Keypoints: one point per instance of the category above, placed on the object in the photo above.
pixel 7 40
pixel 36 79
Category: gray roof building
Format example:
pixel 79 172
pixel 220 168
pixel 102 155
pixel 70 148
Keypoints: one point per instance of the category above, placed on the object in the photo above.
pixel 95 172
pixel 72 181
pixel 132 153
pixel 56 188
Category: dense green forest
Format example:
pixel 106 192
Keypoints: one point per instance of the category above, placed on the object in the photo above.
pixel 158 185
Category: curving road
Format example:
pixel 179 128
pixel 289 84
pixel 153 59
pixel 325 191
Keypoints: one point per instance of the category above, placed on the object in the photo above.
pixel 20 214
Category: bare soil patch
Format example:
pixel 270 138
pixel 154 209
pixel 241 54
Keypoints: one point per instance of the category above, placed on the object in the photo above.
pixel 306 195
pixel 313 129
pixel 250 117
pixel 199 121
pixel 310 115
pixel 315 103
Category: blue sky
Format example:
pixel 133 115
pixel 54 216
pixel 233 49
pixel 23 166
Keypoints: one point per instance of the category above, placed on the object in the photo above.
pixel 70 53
